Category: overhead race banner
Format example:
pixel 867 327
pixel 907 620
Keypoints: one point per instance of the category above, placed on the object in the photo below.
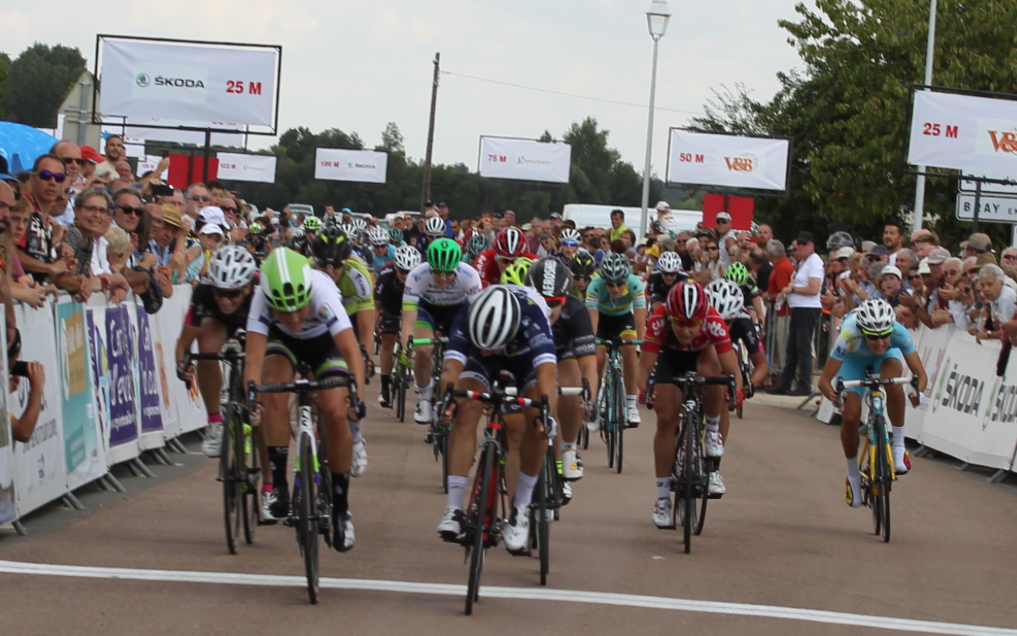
pixel 728 161
pixel 975 134
pixel 364 166
pixel 237 167
pixel 189 82
pixel 525 160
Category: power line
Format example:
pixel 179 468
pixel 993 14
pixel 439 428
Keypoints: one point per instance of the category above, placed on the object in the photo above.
pixel 544 90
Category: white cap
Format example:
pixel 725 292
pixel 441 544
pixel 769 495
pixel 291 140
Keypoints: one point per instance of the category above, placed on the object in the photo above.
pixel 923 266
pixel 845 252
pixel 890 269
pixel 663 206
pixel 211 228
pixel 212 214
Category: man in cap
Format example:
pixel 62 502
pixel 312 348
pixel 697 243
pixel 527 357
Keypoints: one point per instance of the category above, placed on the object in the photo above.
pixel 923 241
pixel 664 223
pixel 556 221
pixel 727 240
pixel 935 311
pixel 980 246
pixel 802 295
pixel 892 284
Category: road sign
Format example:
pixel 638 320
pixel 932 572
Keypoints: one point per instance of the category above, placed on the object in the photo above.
pixel 989 188
pixel 994 208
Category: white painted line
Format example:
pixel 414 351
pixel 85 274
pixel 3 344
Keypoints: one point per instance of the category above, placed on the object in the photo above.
pixel 527 594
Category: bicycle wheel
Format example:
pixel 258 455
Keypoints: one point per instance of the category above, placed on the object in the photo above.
pixel 442 442
pixel 542 514
pixel 251 486
pixel 884 487
pixel 688 478
pixel 584 436
pixel 229 474
pixel 399 384
pixel 481 511
pixel 307 524
pixel 701 518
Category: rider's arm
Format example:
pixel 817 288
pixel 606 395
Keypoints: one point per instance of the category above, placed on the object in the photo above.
pixel 914 362
pixel 647 361
pixel 255 355
pixel 729 365
pixel 650 348
pixel 187 337
pixel 640 316
pixel 348 346
pixel 366 319
pixel 547 384
pixel 639 307
pixel 826 380
pixel 411 300
pixel 450 371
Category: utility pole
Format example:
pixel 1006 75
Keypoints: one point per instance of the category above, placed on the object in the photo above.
pixel 425 190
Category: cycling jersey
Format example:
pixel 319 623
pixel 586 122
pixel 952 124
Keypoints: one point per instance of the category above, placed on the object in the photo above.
pixel 487 265
pixel 388 291
pixel 598 298
pixel 301 246
pixel 573 331
pixel 657 288
pixel 659 334
pixel 421 290
pixel 356 286
pixel 203 305
pixel 381 261
pixel 851 342
pixel 326 314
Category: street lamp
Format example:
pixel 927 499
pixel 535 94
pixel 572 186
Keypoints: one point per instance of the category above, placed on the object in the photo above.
pixel 656 21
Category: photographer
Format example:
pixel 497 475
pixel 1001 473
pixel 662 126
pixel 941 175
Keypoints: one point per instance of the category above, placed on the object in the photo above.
pixel 23 427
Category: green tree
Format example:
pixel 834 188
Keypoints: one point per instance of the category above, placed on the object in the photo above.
pixel 39 80
pixel 392 139
pixel 5 72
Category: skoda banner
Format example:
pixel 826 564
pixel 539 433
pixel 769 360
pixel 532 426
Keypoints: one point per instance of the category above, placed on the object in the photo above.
pixel 525 160
pixel 728 161
pixel 365 166
pixel 975 134
pixel 237 167
pixel 188 81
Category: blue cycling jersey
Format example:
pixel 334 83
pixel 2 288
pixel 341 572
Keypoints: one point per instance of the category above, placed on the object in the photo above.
pixel 851 342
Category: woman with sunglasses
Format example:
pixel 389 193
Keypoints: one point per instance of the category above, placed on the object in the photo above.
pixel 584 268
pixel 870 338
pixel 388 297
pixel 569 240
pixel 219 307
pixel 669 271
pixel 617 305
pixel 434 292
pixel 685 334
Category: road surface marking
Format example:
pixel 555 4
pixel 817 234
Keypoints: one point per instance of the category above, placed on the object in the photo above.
pixel 529 594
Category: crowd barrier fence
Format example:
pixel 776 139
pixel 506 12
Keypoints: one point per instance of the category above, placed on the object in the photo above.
pixel 111 393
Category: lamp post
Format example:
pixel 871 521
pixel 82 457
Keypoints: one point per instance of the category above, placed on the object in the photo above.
pixel 656 20
pixel 930 48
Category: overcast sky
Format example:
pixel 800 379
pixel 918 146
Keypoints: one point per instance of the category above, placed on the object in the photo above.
pixel 357 65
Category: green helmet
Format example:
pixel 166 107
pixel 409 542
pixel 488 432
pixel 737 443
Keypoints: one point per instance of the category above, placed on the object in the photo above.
pixel 515 273
pixel 443 254
pixel 395 235
pixel 477 244
pixel 737 274
pixel 254 229
pixel 312 224
pixel 286 280
pixel 615 268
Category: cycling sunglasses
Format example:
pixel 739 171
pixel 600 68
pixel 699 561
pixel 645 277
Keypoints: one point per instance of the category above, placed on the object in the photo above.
pixel 46 175
pixel 555 301
pixel 570 244
pixel 681 323
pixel 616 284
pixel 878 336
pixel 231 294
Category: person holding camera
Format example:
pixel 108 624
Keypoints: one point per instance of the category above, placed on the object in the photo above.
pixel 23 427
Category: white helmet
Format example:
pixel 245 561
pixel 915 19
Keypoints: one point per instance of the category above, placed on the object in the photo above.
pixel 670 263
pixel 568 234
pixel 875 317
pixel 378 236
pixel 231 267
pixel 360 224
pixel 349 230
pixel 726 297
pixel 434 226
pixel 494 318
pixel 407 257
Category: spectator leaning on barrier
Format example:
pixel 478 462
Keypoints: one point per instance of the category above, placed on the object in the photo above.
pixel 37 249
pixel 1001 301
pixel 22 287
pixel 802 295
pixel 726 240
pixel 892 284
pixel 92 216
pixel 23 427
pixel 7 201
pixel 906 259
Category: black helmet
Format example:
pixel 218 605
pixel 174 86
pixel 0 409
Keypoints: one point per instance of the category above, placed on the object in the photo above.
pixel 331 246
pixel 583 264
pixel 550 277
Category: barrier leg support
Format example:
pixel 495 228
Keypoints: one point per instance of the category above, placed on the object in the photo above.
pixel 998 476
pixel 177 445
pixel 20 529
pixel 131 468
pixel 112 481
pixel 142 467
pixel 963 466
pixel 161 454
pixel 70 500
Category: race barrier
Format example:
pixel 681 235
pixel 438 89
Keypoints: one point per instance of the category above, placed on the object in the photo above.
pixel 111 393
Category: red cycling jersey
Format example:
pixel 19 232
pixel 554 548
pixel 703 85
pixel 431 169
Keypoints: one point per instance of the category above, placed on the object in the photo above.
pixel 660 335
pixel 487 265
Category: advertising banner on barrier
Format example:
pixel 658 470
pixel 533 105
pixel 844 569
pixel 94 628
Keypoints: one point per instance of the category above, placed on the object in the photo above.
pixel 123 420
pixel 975 134
pixel 8 511
pixel 165 368
pixel 41 469
pixel 237 167
pixel 728 161
pixel 189 407
pixel 364 166
pixel 121 443
pixel 190 82
pixel 525 160
pixel 973 412
pixel 83 452
pixel 931 347
pixel 146 375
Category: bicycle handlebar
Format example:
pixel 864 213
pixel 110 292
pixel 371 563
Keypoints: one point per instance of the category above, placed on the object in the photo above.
pixel 693 378
pixel 423 342
pixel 872 382
pixel 222 355
pixel 616 342
pixel 305 386
pixel 562 390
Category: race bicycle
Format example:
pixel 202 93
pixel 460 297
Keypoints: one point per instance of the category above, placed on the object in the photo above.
pixel 437 430
pixel 690 475
pixel 402 379
pixel 311 503
pixel 875 459
pixel 612 411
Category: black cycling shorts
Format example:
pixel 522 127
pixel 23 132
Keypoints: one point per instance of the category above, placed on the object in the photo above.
pixel 610 327
pixel 319 353
pixel 390 322
pixel 742 330
pixel 672 363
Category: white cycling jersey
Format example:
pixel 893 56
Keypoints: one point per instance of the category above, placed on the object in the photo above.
pixel 420 287
pixel 326 314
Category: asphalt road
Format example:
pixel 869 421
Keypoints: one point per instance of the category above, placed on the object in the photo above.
pixel 781 553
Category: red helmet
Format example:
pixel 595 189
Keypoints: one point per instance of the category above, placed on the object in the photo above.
pixel 510 243
pixel 687 301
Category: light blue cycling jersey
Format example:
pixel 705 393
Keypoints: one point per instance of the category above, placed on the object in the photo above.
pixel 380 262
pixel 851 342
pixel 598 298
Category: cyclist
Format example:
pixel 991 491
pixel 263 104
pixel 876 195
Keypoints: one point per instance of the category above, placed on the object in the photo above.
pixel 870 338
pixel 256 243
pixel 669 271
pixel 356 239
pixel 395 237
pixel 388 296
pixel 739 275
pixel 575 350
pixel 617 307
pixel 434 229
pixel 298 318
pixel 570 240
pixel 219 307
pixel 726 298
pixel 433 294
pixel 332 254
pixel 504 329
pixel 509 245
pixel 584 268
pixel 685 334
pixel 474 247
pixel 302 244
pixel 382 251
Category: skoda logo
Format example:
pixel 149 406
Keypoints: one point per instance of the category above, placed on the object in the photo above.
pixel 143 80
